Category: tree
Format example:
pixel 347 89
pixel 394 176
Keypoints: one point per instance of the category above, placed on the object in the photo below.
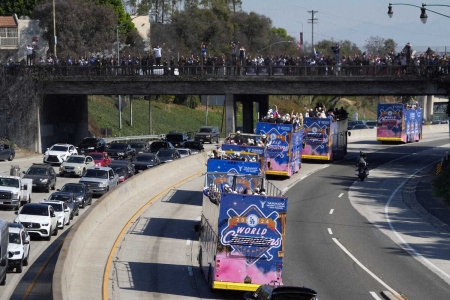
pixel 82 26
pixel 18 7
pixel 376 45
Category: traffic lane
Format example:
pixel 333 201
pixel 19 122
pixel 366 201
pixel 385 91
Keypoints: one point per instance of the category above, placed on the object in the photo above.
pixel 38 246
pixel 157 258
pixel 312 258
pixel 319 209
pixel 423 247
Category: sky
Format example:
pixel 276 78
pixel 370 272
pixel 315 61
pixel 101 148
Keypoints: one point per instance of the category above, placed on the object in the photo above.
pixel 358 20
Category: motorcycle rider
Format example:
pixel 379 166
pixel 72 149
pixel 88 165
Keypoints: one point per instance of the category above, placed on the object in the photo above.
pixel 361 161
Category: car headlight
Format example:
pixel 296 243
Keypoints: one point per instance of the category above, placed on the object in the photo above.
pixel 102 185
pixel 44 180
pixel 45 224
pixel 15 195
pixel 79 167
pixel 121 153
pixel 79 199
pixel 208 136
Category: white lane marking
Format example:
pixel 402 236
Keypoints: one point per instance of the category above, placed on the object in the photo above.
pixel 404 244
pixel 365 269
pixel 329 231
pixel 188 242
pixel 340 195
pixel 331 211
pixel 374 295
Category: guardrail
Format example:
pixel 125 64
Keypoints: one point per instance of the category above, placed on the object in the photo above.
pixel 302 70
pixel 135 138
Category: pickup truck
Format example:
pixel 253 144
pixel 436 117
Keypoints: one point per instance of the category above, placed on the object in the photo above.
pixel 15 191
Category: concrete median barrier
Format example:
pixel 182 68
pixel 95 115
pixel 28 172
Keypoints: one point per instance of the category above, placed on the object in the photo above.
pixel 84 254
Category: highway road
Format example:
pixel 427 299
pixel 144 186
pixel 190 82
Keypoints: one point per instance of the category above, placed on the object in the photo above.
pixel 335 244
pixel 157 256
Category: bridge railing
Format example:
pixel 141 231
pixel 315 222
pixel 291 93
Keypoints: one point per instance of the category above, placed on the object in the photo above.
pixel 135 138
pixel 230 71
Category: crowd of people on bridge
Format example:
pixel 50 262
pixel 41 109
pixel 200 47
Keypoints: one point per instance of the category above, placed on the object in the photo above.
pixel 241 62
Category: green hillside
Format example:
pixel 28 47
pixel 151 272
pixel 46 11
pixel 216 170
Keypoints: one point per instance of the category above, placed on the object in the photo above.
pixel 167 116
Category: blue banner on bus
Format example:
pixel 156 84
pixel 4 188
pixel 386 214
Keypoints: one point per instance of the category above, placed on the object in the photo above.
pixel 233 166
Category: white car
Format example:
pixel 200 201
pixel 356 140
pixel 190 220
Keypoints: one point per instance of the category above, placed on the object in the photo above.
pixel 38 219
pixel 18 247
pixel 76 165
pixel 184 152
pixel 59 153
pixel 62 211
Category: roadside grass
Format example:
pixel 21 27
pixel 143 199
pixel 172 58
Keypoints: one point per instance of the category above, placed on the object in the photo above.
pixel 441 183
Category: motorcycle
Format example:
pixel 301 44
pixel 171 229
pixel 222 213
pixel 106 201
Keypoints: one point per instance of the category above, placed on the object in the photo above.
pixel 362 172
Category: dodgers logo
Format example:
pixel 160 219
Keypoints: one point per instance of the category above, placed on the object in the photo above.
pixel 252 234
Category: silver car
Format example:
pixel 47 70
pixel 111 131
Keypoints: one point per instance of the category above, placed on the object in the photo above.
pixel 100 179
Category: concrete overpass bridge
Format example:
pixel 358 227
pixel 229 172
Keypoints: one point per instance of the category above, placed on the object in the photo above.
pixel 65 90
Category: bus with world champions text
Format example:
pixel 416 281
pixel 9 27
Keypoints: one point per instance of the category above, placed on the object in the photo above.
pixel 241 234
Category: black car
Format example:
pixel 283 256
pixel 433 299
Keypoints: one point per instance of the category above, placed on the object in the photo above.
pixel 82 193
pixel 122 170
pixel 145 161
pixel 177 139
pixel 272 292
pixel 124 163
pixel 208 134
pixel 91 144
pixel 140 147
pixel 7 152
pixel 195 147
pixel 121 151
pixel 43 175
pixel 168 155
pixel 156 145
pixel 70 200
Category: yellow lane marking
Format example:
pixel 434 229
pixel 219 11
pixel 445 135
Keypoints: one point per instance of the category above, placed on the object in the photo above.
pixel 125 229
pixel 41 270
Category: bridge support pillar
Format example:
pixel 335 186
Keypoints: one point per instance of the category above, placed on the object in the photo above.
pixel 429 107
pixel 230 114
pixel 248 109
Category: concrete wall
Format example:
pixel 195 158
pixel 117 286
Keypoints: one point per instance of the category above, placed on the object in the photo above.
pixel 86 248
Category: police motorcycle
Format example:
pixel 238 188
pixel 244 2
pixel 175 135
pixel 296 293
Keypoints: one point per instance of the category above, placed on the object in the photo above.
pixel 362 172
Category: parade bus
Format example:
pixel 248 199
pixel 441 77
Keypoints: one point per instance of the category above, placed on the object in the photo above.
pixel 241 235
pixel 324 138
pixel 396 123
pixel 283 148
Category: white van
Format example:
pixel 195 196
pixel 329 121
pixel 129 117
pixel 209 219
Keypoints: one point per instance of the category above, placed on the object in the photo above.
pixel 4 240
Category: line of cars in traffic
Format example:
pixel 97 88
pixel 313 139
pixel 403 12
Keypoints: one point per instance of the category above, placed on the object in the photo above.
pixel 98 171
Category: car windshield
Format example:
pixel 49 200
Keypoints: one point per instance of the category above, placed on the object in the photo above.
pixel 95 173
pixel 205 130
pixel 145 158
pixel 89 141
pixel 56 206
pixel 14 238
pixel 60 197
pixel 117 146
pixel 37 171
pixel 119 169
pixel 96 156
pixel 175 137
pixel 36 210
pixel 137 145
pixel 76 159
pixel 9 182
pixel 72 188
pixel 158 145
pixel 165 154
pixel 59 148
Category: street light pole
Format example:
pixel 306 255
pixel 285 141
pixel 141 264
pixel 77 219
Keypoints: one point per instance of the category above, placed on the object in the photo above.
pixel 54 30
pixel 423 9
